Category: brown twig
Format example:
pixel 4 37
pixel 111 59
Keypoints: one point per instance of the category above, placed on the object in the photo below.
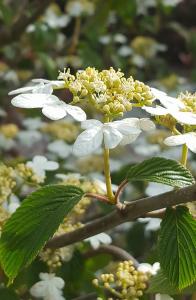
pixel 132 211
pixel 75 37
pixel 117 252
pixel 98 197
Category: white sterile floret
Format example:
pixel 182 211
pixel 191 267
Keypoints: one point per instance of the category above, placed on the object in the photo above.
pixel 98 239
pixel 147 268
pixel 171 106
pixel 40 164
pixel 49 288
pixel 52 107
pixel 163 296
pixel 60 148
pixel 33 123
pixel 111 134
pixel 189 139
pixel 40 96
pixel 41 86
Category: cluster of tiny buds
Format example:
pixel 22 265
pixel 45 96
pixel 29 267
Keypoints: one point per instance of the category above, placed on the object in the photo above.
pixel 62 130
pixel 7 182
pixel 88 186
pixel 189 101
pixel 27 174
pixel 108 91
pixel 55 257
pixel 126 282
pixel 9 130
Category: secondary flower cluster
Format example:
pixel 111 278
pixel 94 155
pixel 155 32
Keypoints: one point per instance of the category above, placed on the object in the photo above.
pixel 7 182
pixel 175 111
pixel 108 91
pixel 126 282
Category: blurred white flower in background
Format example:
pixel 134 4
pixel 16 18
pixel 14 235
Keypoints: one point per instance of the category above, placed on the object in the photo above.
pixel 144 5
pixel 6 143
pixel 120 38
pixel 12 204
pixel 189 139
pixel 76 8
pixel 40 164
pixel 49 288
pixel 111 134
pixel 105 39
pixel 29 137
pixel 33 123
pixel 152 224
pixel 147 268
pixel 98 239
pixel 60 148
pixel 125 51
pixel 2 113
pixel 54 20
pixel 171 2
pixel 155 188
pixel 163 297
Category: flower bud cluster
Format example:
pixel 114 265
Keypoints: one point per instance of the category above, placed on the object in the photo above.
pixel 9 130
pixel 189 101
pixel 27 174
pixel 7 182
pixel 88 186
pixel 55 257
pixel 4 215
pixel 93 163
pixel 108 91
pixel 126 282
pixel 62 130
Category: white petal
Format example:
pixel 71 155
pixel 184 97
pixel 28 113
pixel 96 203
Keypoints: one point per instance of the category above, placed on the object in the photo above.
pixel 157 93
pixel 146 124
pixel 128 139
pixel 191 141
pixel 33 100
pixel 58 282
pixel 157 110
pixel 87 124
pixel 40 160
pixel 175 140
pixel 55 111
pixel 53 83
pixel 127 126
pixel 185 117
pixel 43 89
pixel 24 89
pixel 51 166
pixel 112 137
pixel 76 112
pixel 88 141
pixel 170 102
pixel 104 238
pixel 38 289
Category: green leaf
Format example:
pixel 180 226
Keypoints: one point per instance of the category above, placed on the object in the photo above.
pixel 161 170
pixel 33 223
pixel 160 284
pixel 177 247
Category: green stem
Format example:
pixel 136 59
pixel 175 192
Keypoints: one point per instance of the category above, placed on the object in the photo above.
pixel 106 156
pixel 184 155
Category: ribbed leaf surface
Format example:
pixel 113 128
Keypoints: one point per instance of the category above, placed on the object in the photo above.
pixel 177 247
pixel 33 223
pixel 161 170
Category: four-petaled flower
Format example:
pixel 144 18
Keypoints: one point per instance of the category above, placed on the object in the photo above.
pixel 49 288
pixel 189 139
pixel 40 165
pixel 40 96
pixel 96 240
pixel 171 106
pixel 111 134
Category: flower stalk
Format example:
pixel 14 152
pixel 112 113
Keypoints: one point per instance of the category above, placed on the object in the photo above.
pixel 106 156
pixel 184 155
